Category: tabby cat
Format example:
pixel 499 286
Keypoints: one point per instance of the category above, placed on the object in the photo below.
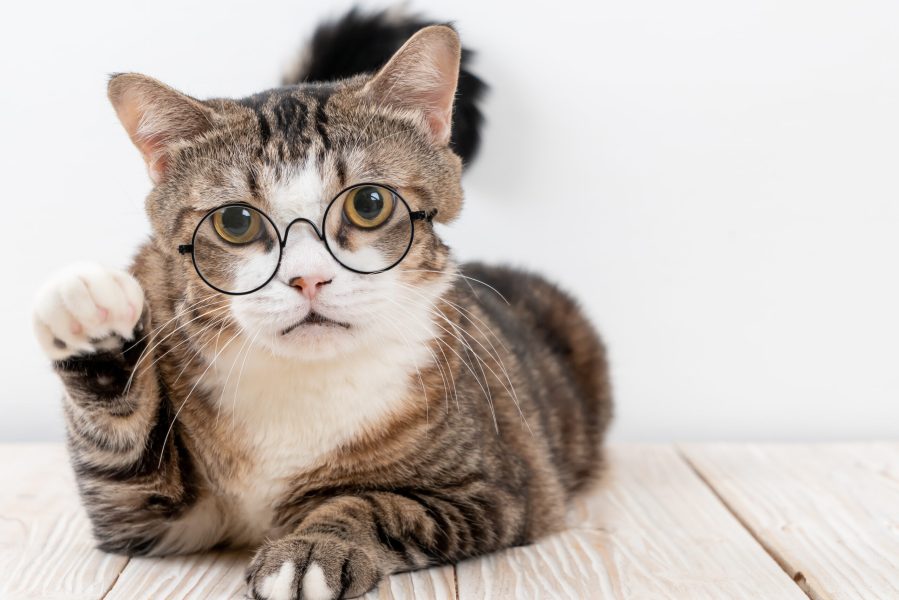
pixel 294 361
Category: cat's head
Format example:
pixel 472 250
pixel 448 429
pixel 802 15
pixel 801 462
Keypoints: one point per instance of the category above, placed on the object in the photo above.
pixel 286 154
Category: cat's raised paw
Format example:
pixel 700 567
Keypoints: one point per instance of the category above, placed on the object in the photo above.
pixel 310 568
pixel 80 309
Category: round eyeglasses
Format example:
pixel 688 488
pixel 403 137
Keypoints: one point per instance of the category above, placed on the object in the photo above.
pixel 368 228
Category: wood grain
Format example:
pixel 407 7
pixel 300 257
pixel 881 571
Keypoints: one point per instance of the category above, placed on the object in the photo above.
pixel 828 513
pixel 651 529
pixel 46 547
pixel 211 575
pixel 437 584
pixel 220 575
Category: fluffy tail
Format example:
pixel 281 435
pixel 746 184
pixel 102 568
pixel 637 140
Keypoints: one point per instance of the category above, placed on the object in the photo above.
pixel 363 43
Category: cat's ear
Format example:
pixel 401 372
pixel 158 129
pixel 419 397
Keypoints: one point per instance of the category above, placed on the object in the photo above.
pixel 156 116
pixel 422 76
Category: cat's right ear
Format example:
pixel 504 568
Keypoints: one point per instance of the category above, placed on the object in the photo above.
pixel 156 116
pixel 422 77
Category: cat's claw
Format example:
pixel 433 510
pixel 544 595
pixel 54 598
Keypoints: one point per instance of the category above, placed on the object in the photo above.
pixel 79 309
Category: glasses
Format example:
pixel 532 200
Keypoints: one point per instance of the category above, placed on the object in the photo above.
pixel 368 228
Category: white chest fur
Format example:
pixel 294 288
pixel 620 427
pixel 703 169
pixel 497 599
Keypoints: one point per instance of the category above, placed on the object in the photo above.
pixel 290 415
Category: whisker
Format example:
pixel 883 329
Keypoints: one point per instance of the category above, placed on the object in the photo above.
pixel 151 347
pixel 177 314
pixel 424 390
pixel 386 319
pixel 153 332
pixel 204 303
pixel 228 379
pixel 240 375
pixel 465 277
pixel 483 385
pixel 215 321
pixel 222 323
pixel 187 397
pixel 494 355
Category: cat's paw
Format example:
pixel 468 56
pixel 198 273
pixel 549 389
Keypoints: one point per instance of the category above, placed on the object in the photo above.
pixel 84 308
pixel 312 568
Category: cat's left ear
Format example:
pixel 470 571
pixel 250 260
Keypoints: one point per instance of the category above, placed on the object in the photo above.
pixel 156 116
pixel 422 76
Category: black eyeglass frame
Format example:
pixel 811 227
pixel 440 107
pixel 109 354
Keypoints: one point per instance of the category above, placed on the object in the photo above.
pixel 414 215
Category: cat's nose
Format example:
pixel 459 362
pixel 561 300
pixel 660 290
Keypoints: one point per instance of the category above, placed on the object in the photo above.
pixel 309 285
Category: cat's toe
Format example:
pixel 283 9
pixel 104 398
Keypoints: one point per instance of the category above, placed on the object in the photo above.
pixel 315 584
pixel 280 584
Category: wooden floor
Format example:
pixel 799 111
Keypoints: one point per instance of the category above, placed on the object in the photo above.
pixel 689 521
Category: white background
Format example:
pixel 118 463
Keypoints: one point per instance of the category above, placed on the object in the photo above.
pixel 717 181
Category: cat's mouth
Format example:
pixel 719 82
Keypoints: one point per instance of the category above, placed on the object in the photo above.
pixel 313 318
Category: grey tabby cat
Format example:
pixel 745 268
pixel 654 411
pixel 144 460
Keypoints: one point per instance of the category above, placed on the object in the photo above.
pixel 295 362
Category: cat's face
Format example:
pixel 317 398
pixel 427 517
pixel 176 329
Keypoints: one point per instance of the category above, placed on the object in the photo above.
pixel 287 154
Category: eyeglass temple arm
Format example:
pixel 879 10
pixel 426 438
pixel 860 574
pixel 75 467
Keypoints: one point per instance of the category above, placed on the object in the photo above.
pixel 418 215
pixel 424 215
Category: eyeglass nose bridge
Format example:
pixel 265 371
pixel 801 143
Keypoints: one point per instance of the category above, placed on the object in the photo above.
pixel 318 233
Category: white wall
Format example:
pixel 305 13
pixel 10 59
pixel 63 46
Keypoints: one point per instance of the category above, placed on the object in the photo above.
pixel 717 181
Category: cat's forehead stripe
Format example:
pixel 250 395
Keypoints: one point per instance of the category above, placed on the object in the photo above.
pixel 296 113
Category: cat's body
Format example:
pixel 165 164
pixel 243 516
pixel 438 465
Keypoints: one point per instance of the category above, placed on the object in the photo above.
pixel 434 414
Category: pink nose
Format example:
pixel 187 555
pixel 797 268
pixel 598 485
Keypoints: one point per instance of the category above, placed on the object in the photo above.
pixel 309 285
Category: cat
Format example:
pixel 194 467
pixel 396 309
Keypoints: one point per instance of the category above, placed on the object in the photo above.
pixel 345 423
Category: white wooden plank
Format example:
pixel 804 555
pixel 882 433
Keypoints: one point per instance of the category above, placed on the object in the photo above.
pixel 828 513
pixel 651 529
pixel 46 547
pixel 220 575
pixel 429 584
pixel 214 575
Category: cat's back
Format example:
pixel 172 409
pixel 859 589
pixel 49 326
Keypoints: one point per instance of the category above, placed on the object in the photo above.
pixel 555 357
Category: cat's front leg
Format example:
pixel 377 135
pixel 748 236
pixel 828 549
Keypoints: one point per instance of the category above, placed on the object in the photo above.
pixel 132 471
pixel 347 545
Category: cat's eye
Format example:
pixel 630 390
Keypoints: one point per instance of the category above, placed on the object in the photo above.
pixel 237 224
pixel 368 206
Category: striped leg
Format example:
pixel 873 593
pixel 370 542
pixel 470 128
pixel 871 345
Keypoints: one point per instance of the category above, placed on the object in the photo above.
pixel 347 544
pixel 92 322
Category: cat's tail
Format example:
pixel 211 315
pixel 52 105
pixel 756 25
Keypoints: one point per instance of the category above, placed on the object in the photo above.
pixel 363 42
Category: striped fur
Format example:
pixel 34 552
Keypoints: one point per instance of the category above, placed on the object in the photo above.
pixel 343 455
